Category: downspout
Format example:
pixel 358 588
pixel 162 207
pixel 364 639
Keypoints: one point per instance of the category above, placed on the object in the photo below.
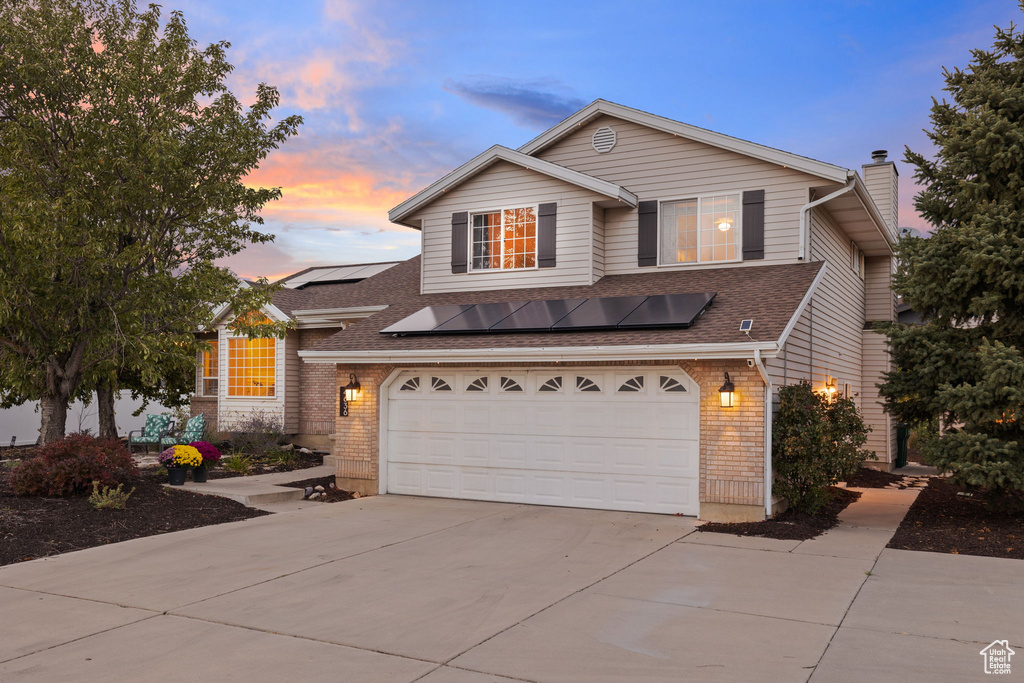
pixel 767 433
pixel 805 211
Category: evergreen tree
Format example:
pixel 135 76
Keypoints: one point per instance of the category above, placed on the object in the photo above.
pixel 964 365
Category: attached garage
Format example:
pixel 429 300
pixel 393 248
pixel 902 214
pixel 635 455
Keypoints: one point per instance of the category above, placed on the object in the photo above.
pixel 613 438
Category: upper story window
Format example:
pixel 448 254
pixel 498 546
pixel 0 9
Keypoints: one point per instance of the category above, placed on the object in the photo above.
pixel 504 240
pixel 701 230
pixel 252 367
pixel 211 363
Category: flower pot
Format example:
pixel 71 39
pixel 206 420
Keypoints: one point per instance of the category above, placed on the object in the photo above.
pixel 199 474
pixel 176 476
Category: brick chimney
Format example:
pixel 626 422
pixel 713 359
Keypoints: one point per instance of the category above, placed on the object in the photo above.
pixel 880 177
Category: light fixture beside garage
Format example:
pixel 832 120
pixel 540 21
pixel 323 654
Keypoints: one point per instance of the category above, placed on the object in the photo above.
pixel 347 394
pixel 727 392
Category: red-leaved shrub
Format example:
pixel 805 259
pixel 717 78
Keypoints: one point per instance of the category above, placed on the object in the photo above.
pixel 71 465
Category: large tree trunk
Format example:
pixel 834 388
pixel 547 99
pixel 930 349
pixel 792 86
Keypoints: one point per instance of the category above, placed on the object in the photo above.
pixel 105 407
pixel 54 413
pixel 62 377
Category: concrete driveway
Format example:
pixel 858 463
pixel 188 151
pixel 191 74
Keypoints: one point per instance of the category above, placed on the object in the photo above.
pixel 407 589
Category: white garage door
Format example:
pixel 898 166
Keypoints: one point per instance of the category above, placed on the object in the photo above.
pixel 619 439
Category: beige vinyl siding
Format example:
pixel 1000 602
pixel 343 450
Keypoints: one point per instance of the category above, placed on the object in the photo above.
pixel 880 302
pixel 598 244
pixel 502 186
pixel 882 438
pixel 292 372
pixel 882 184
pixel 232 409
pixel 659 166
pixel 827 338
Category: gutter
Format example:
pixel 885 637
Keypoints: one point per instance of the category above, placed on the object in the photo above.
pixel 740 350
pixel 805 211
pixel 768 474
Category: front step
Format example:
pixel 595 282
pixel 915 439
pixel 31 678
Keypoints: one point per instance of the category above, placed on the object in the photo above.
pixel 260 489
pixel 249 495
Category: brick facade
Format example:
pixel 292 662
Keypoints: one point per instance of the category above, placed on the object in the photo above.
pixel 207 405
pixel 318 397
pixel 731 439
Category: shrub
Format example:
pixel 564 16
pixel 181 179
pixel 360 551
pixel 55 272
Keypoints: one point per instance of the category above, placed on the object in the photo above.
pixel 239 463
pixel 257 434
pixel 70 465
pixel 283 458
pixel 211 456
pixel 815 443
pixel 109 498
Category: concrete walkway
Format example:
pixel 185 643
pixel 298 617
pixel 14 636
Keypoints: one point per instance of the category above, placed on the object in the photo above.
pixel 408 589
pixel 263 490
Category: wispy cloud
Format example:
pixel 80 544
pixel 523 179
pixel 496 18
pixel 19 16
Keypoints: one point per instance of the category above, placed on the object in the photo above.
pixel 531 103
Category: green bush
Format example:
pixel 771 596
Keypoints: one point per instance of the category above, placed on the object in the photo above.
pixel 70 465
pixel 815 443
pixel 109 498
pixel 242 464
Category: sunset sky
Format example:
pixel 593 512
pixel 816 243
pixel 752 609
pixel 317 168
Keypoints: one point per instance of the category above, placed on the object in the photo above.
pixel 396 94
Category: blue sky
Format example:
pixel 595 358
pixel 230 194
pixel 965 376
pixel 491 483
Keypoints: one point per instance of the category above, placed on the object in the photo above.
pixel 395 94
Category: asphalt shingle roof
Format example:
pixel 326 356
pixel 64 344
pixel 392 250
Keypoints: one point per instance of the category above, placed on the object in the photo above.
pixel 769 295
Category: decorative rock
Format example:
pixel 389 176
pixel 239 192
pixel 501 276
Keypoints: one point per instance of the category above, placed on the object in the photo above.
pixel 287 447
pixel 319 488
pixel 331 485
pixel 305 451
pixel 355 494
pixel 309 492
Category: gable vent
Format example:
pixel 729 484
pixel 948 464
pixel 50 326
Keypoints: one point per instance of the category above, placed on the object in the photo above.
pixel 604 140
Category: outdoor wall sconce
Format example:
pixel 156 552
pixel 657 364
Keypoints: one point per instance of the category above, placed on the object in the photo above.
pixel 830 388
pixel 727 392
pixel 347 394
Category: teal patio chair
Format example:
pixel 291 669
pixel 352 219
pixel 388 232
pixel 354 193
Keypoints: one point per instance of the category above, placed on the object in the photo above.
pixel 157 427
pixel 194 429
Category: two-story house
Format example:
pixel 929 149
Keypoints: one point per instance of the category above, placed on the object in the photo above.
pixel 601 318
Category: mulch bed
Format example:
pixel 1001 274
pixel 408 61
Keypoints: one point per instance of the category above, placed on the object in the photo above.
pixel 32 526
pixel 940 521
pixel 791 525
pixel 302 461
pixel 334 495
pixel 867 478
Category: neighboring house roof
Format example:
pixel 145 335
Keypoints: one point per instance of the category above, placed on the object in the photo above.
pixel 752 149
pixel 319 275
pixel 905 314
pixel 498 153
pixel 770 295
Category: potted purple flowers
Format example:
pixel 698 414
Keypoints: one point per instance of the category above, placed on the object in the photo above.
pixel 211 456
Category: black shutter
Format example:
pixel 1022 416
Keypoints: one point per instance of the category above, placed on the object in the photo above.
pixel 647 235
pixel 546 219
pixel 460 241
pixel 753 224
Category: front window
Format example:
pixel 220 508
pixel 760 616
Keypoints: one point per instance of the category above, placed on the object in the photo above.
pixel 210 366
pixel 700 230
pixel 506 239
pixel 252 367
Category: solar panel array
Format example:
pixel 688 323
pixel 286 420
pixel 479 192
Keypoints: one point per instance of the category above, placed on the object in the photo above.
pixel 605 313
pixel 331 274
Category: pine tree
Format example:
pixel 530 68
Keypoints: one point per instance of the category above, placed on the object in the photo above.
pixel 964 365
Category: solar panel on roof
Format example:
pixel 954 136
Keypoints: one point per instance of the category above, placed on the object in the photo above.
pixel 426 319
pixel 479 318
pixel 597 314
pixel 667 310
pixel 537 316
